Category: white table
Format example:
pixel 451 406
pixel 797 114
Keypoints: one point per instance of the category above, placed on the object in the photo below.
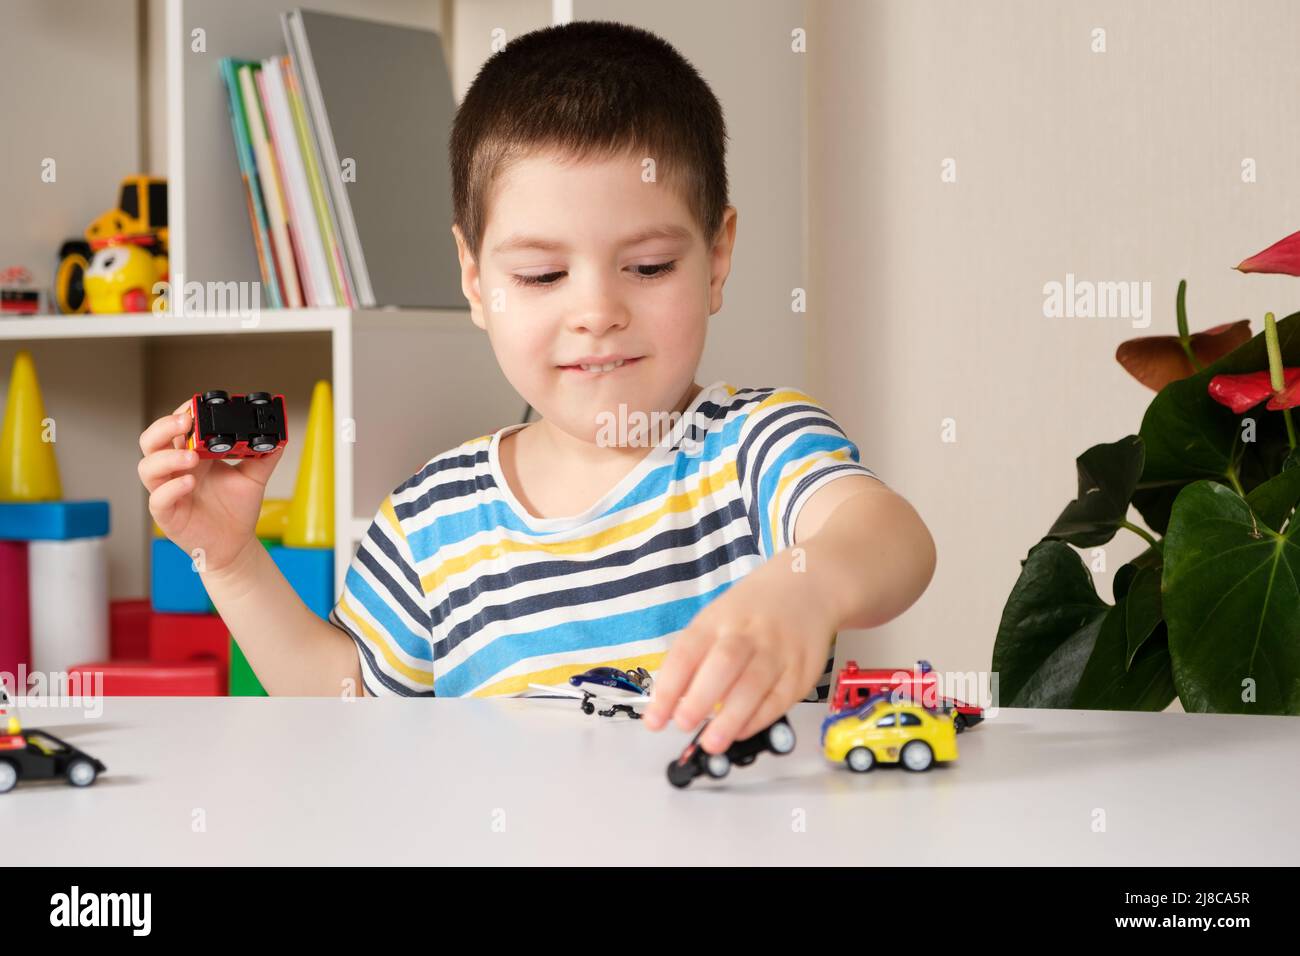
pixel 323 781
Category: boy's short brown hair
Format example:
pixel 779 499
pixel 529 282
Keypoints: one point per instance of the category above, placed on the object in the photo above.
pixel 589 89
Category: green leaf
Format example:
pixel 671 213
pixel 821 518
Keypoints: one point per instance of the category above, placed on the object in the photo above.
pixel 1108 681
pixel 1048 628
pixel 1188 436
pixel 1273 500
pixel 1142 611
pixel 1232 602
pixel 1108 474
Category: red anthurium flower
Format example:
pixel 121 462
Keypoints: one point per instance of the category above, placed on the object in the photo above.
pixel 1283 258
pixel 1240 392
pixel 1289 397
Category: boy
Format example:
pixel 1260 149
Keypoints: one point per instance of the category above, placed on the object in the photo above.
pixel 594 238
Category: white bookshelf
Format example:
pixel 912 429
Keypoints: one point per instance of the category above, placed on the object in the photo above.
pixel 414 382
pixel 432 383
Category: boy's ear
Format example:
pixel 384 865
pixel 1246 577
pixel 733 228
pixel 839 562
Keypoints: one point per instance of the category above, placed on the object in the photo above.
pixel 720 258
pixel 469 278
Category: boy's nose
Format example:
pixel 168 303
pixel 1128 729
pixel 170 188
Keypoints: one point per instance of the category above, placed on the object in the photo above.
pixel 598 313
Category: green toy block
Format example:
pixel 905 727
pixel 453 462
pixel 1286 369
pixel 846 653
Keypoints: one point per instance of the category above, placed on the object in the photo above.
pixel 243 682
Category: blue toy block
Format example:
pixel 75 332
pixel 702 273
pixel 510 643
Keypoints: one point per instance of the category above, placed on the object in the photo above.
pixel 52 520
pixel 311 573
pixel 175 587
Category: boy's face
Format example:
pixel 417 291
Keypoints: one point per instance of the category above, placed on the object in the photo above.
pixel 566 274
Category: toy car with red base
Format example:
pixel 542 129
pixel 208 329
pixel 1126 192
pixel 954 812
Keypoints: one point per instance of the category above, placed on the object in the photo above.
pixel 855 685
pixel 237 426
pixel 38 755
pixel 694 761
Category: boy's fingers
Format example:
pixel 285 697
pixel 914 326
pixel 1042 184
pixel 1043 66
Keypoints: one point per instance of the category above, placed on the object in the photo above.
pixel 721 668
pixel 776 703
pixel 165 433
pixel 672 679
pixel 259 469
pixel 742 702
pixel 163 502
pixel 157 468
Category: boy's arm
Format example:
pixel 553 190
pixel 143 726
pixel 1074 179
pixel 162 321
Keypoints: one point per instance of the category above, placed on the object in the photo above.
pixel 870 551
pixel 864 557
pixel 293 651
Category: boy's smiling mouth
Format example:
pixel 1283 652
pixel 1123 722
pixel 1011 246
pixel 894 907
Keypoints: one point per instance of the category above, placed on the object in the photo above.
pixel 593 365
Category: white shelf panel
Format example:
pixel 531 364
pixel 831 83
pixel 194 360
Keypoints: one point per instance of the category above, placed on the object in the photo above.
pixel 145 325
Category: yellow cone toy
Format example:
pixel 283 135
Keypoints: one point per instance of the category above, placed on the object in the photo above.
pixel 311 510
pixel 28 469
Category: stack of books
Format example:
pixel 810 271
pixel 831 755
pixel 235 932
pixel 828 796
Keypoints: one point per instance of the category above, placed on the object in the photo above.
pixel 295 224
pixel 344 164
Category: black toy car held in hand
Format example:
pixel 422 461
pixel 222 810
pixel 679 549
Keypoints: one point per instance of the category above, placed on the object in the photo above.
pixel 38 755
pixel 695 761
pixel 237 426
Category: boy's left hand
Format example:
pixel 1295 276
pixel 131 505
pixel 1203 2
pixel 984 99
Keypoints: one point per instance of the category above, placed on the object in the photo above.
pixel 757 649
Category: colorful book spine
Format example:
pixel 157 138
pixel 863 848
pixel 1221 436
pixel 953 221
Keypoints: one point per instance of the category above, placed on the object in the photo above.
pixel 293 215
pixel 342 282
pixel 292 152
pixel 286 267
pixel 252 184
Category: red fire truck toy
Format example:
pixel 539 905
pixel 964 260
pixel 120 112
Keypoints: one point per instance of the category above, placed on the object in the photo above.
pixel 854 685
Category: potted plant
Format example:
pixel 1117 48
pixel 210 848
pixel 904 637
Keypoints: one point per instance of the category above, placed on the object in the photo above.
pixel 1209 612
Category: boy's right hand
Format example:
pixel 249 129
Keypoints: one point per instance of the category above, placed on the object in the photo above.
pixel 201 502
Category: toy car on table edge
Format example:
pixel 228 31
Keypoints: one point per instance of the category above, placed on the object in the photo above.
pixel 883 730
pixel 238 425
pixel 39 755
pixel 695 761
pixel 854 685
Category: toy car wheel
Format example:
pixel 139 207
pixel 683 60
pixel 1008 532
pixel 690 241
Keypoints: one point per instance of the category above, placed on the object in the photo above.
pixel 262 443
pixel 860 759
pixel 69 282
pixel 215 397
pixel 220 444
pixel 959 721
pixel 917 755
pixel 781 737
pixel 81 772
pixel 8 776
pixel 258 398
pixel 588 708
pixel 718 765
pixel 678 775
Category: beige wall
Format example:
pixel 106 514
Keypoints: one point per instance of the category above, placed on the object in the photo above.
pixel 69 91
pixel 928 296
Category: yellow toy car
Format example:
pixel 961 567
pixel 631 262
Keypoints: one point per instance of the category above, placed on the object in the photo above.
pixel 881 731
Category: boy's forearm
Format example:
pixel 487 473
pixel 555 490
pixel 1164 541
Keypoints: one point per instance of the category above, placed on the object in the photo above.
pixel 292 651
pixel 871 560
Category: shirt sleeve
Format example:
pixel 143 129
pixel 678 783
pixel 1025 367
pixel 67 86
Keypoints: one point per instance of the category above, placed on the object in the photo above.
pixel 384 610
pixel 789 447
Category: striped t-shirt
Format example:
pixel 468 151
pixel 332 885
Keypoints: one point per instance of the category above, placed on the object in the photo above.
pixel 457 589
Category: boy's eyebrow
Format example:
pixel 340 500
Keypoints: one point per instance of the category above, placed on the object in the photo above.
pixel 520 241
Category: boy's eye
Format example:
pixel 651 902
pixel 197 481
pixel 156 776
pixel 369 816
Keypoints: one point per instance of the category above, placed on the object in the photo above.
pixel 657 270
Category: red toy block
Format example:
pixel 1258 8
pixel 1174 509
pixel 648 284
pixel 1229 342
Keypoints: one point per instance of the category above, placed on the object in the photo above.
pixel 128 629
pixel 15 614
pixel 188 637
pixel 152 679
